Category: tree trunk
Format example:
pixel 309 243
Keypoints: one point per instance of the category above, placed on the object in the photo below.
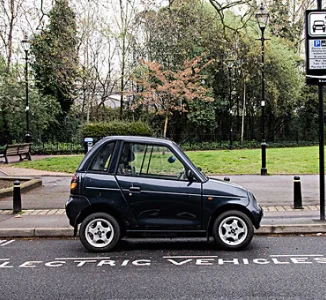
pixel 166 124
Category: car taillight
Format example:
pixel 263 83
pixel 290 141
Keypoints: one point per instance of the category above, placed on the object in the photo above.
pixel 74 182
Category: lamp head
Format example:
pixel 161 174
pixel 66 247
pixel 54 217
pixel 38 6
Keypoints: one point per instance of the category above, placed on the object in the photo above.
pixel 262 16
pixel 26 43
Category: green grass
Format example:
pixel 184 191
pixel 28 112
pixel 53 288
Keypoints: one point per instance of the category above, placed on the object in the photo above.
pixel 301 160
pixel 66 164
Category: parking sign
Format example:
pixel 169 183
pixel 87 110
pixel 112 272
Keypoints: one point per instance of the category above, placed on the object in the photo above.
pixel 315 46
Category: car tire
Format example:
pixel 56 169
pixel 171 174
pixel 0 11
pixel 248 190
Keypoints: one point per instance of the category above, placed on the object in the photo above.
pixel 99 232
pixel 233 230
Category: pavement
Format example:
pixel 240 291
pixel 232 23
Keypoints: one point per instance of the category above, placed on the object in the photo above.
pixel 43 207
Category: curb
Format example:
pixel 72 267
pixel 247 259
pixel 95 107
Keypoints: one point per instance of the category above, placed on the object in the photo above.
pixel 36 232
pixel 41 232
pixel 27 185
pixel 292 229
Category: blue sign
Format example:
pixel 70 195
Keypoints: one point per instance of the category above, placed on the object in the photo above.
pixel 317 43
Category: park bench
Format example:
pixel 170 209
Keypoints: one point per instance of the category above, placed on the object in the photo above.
pixel 23 150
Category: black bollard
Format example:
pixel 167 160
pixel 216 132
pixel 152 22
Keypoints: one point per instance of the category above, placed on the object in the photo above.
pixel 297 193
pixel 17 201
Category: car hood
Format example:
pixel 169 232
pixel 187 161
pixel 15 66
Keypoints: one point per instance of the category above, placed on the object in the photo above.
pixel 219 188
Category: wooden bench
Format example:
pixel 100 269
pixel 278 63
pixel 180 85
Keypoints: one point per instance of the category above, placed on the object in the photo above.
pixel 17 149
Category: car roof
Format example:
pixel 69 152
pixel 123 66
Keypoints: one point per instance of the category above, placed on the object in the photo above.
pixel 132 138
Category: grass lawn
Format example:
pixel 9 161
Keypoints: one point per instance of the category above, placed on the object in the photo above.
pixel 301 160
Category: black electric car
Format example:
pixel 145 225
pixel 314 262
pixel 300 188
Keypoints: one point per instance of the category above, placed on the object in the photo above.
pixel 142 186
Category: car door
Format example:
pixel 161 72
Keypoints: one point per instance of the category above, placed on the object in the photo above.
pixel 99 182
pixel 154 184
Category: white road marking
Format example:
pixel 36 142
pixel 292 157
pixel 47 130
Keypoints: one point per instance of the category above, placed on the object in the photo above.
pixel 202 256
pixel 5 242
pixel 305 255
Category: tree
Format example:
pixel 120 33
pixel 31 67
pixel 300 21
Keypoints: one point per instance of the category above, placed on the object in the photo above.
pixel 287 19
pixel 98 54
pixel 166 91
pixel 44 109
pixel 9 15
pixel 56 58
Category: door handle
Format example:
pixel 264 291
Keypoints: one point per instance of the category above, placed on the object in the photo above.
pixel 134 189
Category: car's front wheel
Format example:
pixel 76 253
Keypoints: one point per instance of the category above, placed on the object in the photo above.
pixel 233 230
pixel 99 232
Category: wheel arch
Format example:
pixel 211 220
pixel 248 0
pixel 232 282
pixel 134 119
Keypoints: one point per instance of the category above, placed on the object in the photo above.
pixel 223 209
pixel 103 208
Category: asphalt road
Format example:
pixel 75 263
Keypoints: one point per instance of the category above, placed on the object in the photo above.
pixel 272 267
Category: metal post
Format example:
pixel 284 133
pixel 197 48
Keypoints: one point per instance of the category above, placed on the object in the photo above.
pixel 321 152
pixel 321 143
pixel 263 170
pixel 27 135
pixel 230 109
pixel 17 202
pixel 297 196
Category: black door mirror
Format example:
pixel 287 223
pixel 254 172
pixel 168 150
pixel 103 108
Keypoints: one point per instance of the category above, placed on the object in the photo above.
pixel 190 175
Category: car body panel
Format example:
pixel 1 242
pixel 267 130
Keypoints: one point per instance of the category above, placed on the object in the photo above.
pixel 158 204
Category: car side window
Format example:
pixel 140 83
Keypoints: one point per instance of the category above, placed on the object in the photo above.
pixel 148 160
pixel 102 160
pixel 127 157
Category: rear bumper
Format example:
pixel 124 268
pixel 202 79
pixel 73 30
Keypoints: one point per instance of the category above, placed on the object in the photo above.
pixel 74 206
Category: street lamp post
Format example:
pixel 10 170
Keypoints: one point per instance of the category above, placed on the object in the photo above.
pixel 230 64
pixel 25 43
pixel 262 18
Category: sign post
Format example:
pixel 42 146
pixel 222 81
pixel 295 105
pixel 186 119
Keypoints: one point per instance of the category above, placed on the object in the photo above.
pixel 316 75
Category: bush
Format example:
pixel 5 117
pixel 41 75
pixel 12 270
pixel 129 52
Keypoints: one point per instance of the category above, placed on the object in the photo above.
pixel 57 148
pixel 99 130
pixel 197 146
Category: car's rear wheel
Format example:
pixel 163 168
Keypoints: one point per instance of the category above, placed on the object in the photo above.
pixel 99 232
pixel 233 230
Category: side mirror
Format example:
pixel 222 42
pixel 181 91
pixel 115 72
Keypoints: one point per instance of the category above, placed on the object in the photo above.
pixel 190 175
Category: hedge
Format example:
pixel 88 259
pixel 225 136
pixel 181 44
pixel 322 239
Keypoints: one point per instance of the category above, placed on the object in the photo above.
pixel 99 130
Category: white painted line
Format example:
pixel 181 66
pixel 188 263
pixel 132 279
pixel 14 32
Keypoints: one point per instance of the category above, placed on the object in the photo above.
pixel 202 256
pixel 305 255
pixel 74 258
pixel 7 243
pixel 4 259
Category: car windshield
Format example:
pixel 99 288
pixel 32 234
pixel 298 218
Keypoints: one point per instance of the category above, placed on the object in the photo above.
pixel 198 168
pixel 319 22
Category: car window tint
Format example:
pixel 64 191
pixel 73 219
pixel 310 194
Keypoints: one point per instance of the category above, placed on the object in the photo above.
pixel 127 156
pixel 102 159
pixel 148 160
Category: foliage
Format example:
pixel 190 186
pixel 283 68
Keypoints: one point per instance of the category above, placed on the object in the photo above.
pixel 99 130
pixel 56 57
pixel 287 19
pixel 285 83
pixel 42 114
pixel 169 33
pixel 165 91
pixel 56 148
pixel 198 146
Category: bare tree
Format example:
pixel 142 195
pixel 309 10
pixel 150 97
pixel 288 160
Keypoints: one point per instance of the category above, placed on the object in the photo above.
pixel 10 11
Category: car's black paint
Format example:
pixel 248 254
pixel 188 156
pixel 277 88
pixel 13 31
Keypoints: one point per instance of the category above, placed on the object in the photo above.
pixel 146 204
